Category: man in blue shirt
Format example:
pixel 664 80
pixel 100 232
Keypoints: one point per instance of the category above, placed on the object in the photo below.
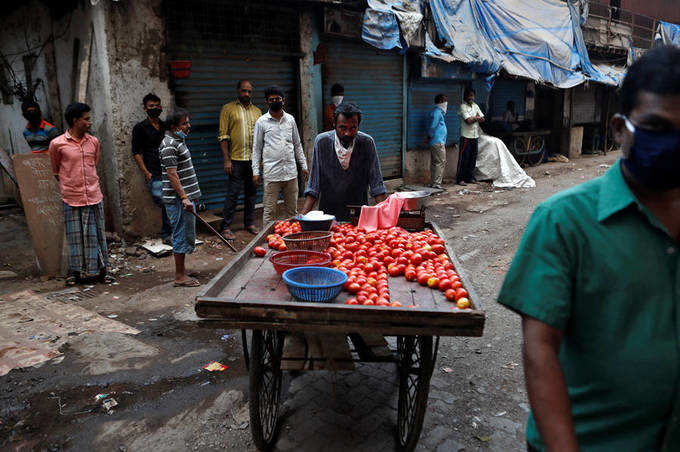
pixel 436 134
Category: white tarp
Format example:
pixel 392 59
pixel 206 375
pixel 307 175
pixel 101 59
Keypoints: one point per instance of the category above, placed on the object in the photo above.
pixel 496 163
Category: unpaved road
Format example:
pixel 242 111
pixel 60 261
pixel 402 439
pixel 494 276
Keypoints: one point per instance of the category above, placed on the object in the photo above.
pixel 167 402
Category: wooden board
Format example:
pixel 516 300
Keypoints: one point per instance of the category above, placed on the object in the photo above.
pixel 326 352
pixel 42 203
pixel 248 293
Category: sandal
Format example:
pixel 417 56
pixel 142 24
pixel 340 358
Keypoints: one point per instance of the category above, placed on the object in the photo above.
pixel 108 279
pixel 191 282
pixel 71 281
pixel 227 234
pixel 252 229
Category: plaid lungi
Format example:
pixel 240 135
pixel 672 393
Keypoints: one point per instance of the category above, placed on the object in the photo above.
pixel 86 237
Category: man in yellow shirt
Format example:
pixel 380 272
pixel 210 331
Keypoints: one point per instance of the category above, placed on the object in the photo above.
pixel 237 126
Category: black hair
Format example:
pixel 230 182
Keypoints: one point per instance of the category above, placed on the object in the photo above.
pixel 176 117
pixel 467 91
pixel 347 109
pixel 273 91
pixel 30 103
pixel 658 72
pixel 439 98
pixel 151 97
pixel 242 81
pixel 510 102
pixel 75 111
pixel 337 89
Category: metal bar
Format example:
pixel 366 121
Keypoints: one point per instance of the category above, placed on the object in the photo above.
pixel 206 224
pixel 244 340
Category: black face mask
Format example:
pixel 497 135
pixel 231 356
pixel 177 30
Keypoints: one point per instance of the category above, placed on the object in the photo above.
pixel 276 106
pixel 154 112
pixel 33 117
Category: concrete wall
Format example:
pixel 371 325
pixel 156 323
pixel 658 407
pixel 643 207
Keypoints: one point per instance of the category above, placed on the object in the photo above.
pixel 310 81
pixel 417 165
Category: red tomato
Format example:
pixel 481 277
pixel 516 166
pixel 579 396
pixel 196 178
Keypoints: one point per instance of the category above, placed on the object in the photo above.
pixel 395 304
pixel 361 298
pixel 438 249
pixel 381 302
pixel 396 252
pixel 450 295
pixel 354 288
pixel 394 270
pixel 461 293
pixel 456 284
pixel 259 251
pixel 282 247
pixel 402 260
pixel 388 260
pixel 351 301
pixel 422 279
pixel 372 281
pixel 433 282
pixel 369 302
pixel 416 259
pixel 410 275
pixel 444 284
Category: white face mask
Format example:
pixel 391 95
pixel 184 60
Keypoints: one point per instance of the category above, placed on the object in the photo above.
pixel 443 106
pixel 337 100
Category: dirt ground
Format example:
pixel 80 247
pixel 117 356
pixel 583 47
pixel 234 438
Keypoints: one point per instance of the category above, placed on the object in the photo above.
pixel 166 401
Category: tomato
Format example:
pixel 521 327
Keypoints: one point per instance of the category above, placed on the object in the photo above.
pixel 410 275
pixel 450 295
pixel 461 293
pixel 438 249
pixel 282 247
pixel 422 279
pixel 273 245
pixel 372 281
pixel 381 302
pixel 433 282
pixel 444 284
pixel 388 260
pixel 396 252
pixel 259 251
pixel 402 260
pixel 416 259
pixel 369 302
pixel 396 304
pixel 394 270
pixel 352 301
pixel 456 285
pixel 463 303
pixel 361 298
pixel 354 288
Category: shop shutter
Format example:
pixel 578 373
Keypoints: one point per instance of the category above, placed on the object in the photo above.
pixel 420 105
pixel 583 108
pixel 504 91
pixel 373 79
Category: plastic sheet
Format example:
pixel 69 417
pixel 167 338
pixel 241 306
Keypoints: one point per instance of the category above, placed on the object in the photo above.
pixel 496 163
pixel 670 33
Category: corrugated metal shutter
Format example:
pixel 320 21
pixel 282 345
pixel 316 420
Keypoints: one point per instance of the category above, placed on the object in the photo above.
pixel 420 105
pixel 373 79
pixel 212 84
pixel 504 91
pixel 583 109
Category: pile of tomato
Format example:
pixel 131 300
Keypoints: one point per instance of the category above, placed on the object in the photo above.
pixel 367 258
pixel 281 228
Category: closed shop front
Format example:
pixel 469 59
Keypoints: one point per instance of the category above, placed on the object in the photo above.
pixel 224 43
pixel 504 91
pixel 374 80
pixel 420 104
pixel 584 108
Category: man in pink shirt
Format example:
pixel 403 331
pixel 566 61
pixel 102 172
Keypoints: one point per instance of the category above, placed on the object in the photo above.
pixel 74 156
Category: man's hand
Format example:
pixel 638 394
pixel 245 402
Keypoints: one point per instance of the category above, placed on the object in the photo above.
pixel 256 180
pixel 188 205
pixel 228 166
pixel 147 175
pixel 305 174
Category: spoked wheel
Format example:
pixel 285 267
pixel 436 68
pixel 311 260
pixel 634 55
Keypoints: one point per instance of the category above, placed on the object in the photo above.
pixel 415 365
pixel 520 148
pixel 536 149
pixel 265 387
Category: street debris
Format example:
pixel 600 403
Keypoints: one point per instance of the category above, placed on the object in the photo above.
pixel 558 158
pixel 502 413
pixel 446 370
pixel 108 405
pixel 226 337
pixel 214 366
pixel 100 396
pixel 6 274
pixel 112 316
pixel 604 165
pixel 510 365
pixel 484 439
pixel 157 248
pixel 241 418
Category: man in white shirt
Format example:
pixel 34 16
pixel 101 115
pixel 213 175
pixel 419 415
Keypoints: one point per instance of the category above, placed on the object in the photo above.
pixel 276 148
pixel 470 118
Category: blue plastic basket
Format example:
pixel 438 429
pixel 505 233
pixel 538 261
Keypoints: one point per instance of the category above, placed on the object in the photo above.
pixel 314 284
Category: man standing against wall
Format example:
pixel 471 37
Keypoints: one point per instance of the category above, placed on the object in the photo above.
pixel 237 126
pixel 436 132
pixel 470 118
pixel 146 138
pixel 276 148
pixel 337 95
pixel 180 191
pixel 38 132
pixel 74 157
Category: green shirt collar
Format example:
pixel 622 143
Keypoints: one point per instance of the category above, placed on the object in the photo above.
pixel 615 195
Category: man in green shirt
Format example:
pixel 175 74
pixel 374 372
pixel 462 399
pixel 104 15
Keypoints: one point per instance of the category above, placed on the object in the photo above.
pixel 596 279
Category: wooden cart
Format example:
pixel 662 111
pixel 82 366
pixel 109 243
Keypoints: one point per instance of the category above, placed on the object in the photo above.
pixel 249 294
pixel 527 147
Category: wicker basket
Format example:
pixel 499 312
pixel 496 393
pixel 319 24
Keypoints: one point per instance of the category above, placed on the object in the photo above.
pixel 308 240
pixel 285 260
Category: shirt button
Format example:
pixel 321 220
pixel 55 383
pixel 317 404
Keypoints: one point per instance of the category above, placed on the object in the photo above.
pixel 670 250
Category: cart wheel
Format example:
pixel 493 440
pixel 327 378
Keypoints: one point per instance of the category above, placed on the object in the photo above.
pixel 415 369
pixel 536 149
pixel 521 148
pixel 265 387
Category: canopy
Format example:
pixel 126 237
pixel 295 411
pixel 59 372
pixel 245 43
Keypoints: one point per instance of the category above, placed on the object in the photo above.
pixel 670 33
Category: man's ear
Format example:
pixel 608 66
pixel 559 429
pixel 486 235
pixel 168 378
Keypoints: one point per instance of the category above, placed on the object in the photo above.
pixel 619 130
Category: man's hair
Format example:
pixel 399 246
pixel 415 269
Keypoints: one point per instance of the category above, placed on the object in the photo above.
pixel 151 97
pixel 242 81
pixel 337 89
pixel 510 104
pixel 75 111
pixel 658 72
pixel 347 109
pixel 273 90
pixel 467 91
pixel 30 103
pixel 176 117
pixel 439 98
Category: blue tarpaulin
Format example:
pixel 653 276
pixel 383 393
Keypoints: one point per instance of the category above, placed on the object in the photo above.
pixel 540 40
pixel 670 33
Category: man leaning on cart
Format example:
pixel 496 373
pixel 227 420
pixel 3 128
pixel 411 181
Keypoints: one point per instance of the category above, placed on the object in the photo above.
pixel 345 166
pixel 597 282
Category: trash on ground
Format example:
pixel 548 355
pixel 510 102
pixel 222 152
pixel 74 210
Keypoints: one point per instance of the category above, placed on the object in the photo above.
pixel 226 337
pixel 108 405
pixel 558 158
pixel 241 418
pixel 6 274
pixel 447 370
pixel 214 366
pixel 100 396
pixel 112 316
pixel 157 247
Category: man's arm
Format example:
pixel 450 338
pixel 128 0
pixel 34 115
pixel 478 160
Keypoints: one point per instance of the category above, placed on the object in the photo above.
pixel 433 124
pixel 380 198
pixel 137 152
pixel 313 183
pixel 225 140
pixel 142 166
pixel 258 144
pixel 173 177
pixel 467 115
pixel 55 159
pixel 308 205
pixel 299 153
pixel 546 386
pixel 375 179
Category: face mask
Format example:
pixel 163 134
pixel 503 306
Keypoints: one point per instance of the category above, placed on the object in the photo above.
pixel 337 100
pixel 443 106
pixel 154 112
pixel 33 116
pixel 276 106
pixel 654 158
pixel 347 141
pixel 181 134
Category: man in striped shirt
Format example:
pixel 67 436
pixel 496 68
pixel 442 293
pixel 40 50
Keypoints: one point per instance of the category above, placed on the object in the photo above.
pixel 38 132
pixel 237 126
pixel 180 190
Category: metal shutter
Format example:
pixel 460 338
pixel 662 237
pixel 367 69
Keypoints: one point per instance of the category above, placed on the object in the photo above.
pixel 420 105
pixel 504 91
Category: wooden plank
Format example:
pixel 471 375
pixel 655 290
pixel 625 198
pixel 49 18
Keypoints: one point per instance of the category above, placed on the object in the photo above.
pixel 326 352
pixel 336 350
pixel 377 343
pixel 240 281
pixel 423 296
pixel 400 290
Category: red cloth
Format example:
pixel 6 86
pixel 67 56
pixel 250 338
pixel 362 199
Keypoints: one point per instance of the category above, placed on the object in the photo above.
pixel 381 216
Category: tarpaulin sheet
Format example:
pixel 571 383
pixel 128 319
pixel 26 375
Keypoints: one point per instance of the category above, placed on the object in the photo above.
pixel 496 163
pixel 670 33
pixel 390 24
